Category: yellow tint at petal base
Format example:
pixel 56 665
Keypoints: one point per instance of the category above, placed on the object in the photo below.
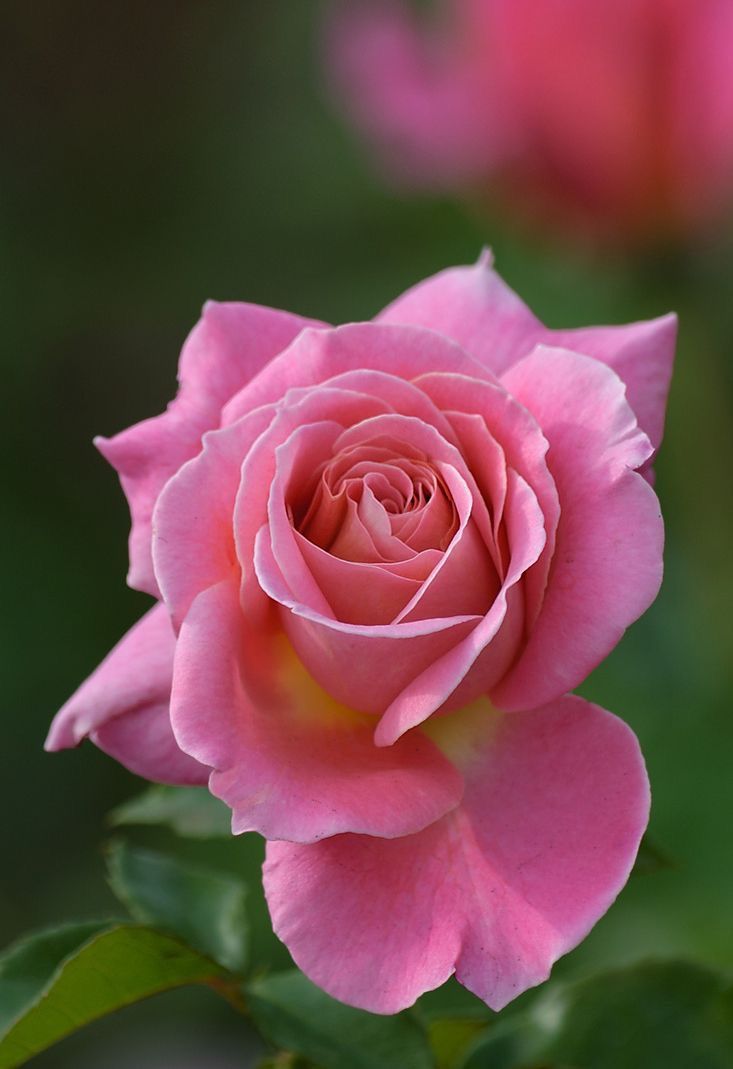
pixel 463 735
pixel 305 699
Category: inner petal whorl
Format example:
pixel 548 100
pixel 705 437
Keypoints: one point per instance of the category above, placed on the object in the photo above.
pixel 371 503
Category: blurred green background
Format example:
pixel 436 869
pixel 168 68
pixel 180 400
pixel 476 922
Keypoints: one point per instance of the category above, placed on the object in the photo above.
pixel 155 155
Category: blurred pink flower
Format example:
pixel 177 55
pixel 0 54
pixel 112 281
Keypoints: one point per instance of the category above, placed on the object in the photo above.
pixel 382 554
pixel 615 115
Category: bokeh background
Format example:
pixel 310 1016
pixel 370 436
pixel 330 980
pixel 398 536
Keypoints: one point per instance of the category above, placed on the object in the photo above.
pixel 155 155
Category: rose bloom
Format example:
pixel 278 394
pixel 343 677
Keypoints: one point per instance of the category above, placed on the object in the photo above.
pixel 382 555
pixel 617 116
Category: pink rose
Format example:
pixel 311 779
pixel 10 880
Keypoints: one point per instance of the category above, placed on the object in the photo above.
pixel 388 550
pixel 617 115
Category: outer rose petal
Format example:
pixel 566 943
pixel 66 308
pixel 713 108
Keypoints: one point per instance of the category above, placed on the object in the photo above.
pixel 288 760
pixel 476 308
pixel 641 354
pixel 193 535
pixel 556 802
pixel 607 565
pixel 143 741
pixel 227 347
pixel 123 706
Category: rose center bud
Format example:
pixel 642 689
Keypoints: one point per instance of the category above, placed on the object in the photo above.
pixel 371 504
pixel 385 532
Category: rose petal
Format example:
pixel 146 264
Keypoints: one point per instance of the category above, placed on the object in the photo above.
pixel 428 691
pixel 143 741
pixel 123 706
pixel 298 457
pixel 379 666
pixel 193 527
pixel 476 308
pixel 487 462
pixel 315 408
pixel 366 535
pixel 293 765
pixel 404 433
pixel 357 593
pixel 607 564
pixel 228 346
pixel 370 594
pixel 641 354
pixel 556 802
pixel 319 355
pixel 445 591
pixel 525 449
pixel 395 394
pixel 295 460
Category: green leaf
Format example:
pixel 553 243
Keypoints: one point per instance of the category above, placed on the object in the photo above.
pixel 204 908
pixel 26 966
pixel 297 1016
pixel 454 1018
pixel 450 1038
pixel 670 1015
pixel 57 981
pixel 190 812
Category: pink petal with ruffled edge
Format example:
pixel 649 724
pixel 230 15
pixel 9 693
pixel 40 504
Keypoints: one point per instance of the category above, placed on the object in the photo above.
pixel 195 517
pixel 396 394
pixel 556 802
pixel 227 347
pixel 316 356
pixel 641 354
pixel 525 450
pixel 607 565
pixel 193 527
pixel 123 706
pixel 476 308
pixel 292 764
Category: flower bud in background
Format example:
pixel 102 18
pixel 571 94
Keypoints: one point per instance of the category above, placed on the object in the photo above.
pixel 614 117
